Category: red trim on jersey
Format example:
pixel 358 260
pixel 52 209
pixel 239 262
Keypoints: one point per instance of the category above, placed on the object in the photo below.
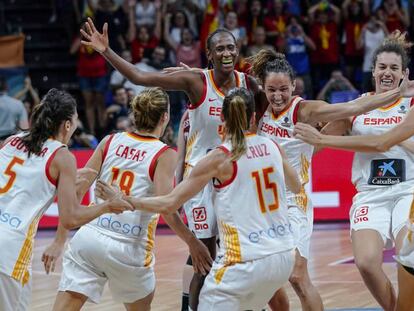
pixel 154 160
pixel 295 111
pixel 412 101
pixel 277 145
pixel 141 137
pixel 106 148
pixel 283 112
pixel 229 181
pixel 47 167
pixel 192 106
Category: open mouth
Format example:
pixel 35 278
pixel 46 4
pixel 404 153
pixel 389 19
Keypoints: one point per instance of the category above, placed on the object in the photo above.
pixel 387 82
pixel 227 62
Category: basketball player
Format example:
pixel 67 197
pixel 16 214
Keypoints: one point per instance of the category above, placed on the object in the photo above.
pixel 383 178
pixel 277 123
pixel 35 166
pixel 118 249
pixel 206 91
pixel 248 173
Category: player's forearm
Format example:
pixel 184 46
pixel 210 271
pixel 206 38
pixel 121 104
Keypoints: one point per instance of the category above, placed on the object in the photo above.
pixel 61 234
pixel 367 103
pixel 371 143
pixel 176 224
pixel 83 214
pixel 160 204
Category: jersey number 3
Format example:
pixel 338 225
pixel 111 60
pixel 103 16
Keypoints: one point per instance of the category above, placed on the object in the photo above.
pixel 263 180
pixel 11 174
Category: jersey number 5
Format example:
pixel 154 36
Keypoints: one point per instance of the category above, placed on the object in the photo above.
pixel 263 180
pixel 126 179
pixel 12 174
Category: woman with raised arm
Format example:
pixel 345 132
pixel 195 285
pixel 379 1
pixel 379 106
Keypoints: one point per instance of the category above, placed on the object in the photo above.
pixel 276 122
pixel 249 174
pixel 383 178
pixel 118 248
pixel 36 165
pixel 206 91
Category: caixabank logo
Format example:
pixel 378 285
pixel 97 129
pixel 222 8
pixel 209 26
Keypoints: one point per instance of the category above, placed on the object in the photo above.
pixel 386 172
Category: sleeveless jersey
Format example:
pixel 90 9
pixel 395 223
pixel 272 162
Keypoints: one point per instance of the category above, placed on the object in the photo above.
pixel 26 191
pixel 375 170
pixel 205 122
pixel 280 130
pixel 251 207
pixel 129 161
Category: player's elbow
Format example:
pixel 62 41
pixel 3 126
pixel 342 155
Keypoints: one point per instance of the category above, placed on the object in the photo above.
pixel 68 223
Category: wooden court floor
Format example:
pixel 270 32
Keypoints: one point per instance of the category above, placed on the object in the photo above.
pixel 340 284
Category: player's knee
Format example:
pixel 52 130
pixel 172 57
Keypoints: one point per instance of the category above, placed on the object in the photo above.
pixel 366 265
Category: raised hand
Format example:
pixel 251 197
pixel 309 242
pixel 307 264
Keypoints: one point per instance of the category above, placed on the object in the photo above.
pixel 98 41
pixel 407 85
pixel 200 256
pixel 308 134
pixel 51 255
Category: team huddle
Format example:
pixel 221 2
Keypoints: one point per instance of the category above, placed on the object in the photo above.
pixel 241 169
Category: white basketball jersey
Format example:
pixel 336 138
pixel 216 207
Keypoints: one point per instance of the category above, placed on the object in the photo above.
pixel 375 170
pixel 129 162
pixel 26 191
pixel 251 207
pixel 205 122
pixel 280 130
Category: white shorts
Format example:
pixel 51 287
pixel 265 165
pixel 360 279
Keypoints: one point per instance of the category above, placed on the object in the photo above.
pixel 13 295
pixel 245 286
pixel 302 227
pixel 92 258
pixel 384 210
pixel 406 255
pixel 200 214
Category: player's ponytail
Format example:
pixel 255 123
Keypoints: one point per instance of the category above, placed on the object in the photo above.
pixel 55 107
pixel 238 108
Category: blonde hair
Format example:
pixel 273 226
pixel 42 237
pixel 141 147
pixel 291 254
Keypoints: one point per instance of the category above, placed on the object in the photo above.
pixel 238 108
pixel 148 108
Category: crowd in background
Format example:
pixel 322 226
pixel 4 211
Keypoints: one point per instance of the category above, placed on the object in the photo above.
pixel 329 43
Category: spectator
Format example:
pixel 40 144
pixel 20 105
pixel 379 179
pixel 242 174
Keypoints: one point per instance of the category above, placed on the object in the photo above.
pixel 337 82
pixel 145 12
pixel 275 23
pixel 119 107
pixel 395 16
pixel 142 38
pixel 188 50
pixel 296 45
pixel 108 12
pixel 168 137
pixel 82 139
pixel 324 19
pixel 255 17
pixel 117 79
pixel 28 95
pixel 258 42
pixel 355 14
pixel 92 72
pixel 13 115
pixel 231 24
pixel 123 124
pixel 300 88
pixel 373 34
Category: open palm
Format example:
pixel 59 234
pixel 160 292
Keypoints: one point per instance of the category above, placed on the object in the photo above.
pixel 407 86
pixel 93 38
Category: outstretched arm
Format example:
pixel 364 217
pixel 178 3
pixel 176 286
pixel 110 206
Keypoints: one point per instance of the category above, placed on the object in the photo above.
pixel 365 143
pixel 319 111
pixel 186 80
pixel 215 164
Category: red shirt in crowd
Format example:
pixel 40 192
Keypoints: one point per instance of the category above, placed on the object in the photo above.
pixel 90 63
pixel 325 37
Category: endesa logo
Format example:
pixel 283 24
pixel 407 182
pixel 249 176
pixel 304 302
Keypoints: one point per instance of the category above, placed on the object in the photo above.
pixel 10 220
pixel 119 227
pixel 361 214
pixel 274 231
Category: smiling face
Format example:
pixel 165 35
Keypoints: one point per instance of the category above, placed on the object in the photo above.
pixel 223 52
pixel 278 88
pixel 387 72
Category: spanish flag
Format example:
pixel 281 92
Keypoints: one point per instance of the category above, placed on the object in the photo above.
pixel 211 21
